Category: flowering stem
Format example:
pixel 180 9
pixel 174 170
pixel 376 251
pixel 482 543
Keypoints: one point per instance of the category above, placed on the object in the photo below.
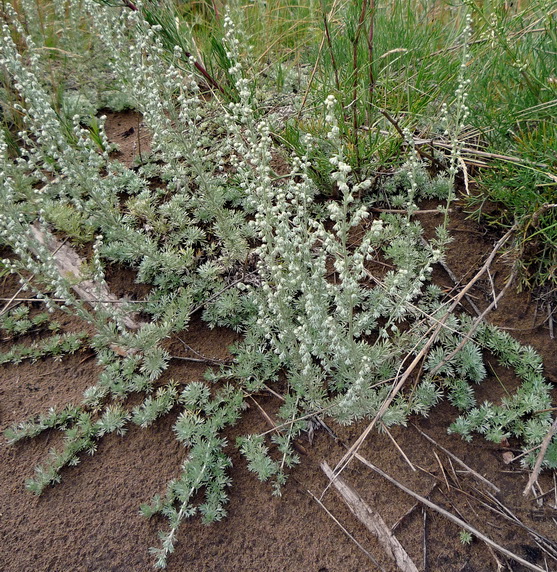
pixel 210 79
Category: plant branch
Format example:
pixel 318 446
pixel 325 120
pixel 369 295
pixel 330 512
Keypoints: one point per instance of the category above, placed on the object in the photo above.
pixel 343 463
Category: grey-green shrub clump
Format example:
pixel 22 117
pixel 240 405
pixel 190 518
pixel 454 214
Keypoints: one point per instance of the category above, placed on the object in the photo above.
pixel 331 298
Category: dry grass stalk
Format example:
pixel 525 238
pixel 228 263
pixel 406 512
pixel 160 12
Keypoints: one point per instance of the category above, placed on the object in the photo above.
pixel 452 276
pixel 495 506
pixel 398 448
pixel 466 337
pixel 469 152
pixel 372 521
pixel 358 544
pixel 537 467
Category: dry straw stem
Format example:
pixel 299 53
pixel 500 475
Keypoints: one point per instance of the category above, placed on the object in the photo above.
pixel 450 273
pixel 14 298
pixel 475 325
pixel 341 465
pixel 547 545
pixel 372 521
pixel 397 446
pixel 320 503
pixel 459 522
pixel 468 152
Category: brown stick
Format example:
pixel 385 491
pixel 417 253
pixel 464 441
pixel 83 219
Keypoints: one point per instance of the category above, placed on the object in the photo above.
pixel 130 5
pixel 372 521
pixel 396 125
pixel 273 425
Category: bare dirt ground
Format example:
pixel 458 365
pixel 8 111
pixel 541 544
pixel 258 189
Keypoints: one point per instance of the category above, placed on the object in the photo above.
pixel 90 521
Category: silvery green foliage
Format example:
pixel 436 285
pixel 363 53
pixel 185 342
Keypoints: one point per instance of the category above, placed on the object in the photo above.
pixel 198 427
pixel 184 240
pixel 55 170
pixel 338 339
pixel 342 335
pixel 336 301
pixel 56 346
pixel 410 174
pixel 19 321
pixel 201 213
pixel 526 414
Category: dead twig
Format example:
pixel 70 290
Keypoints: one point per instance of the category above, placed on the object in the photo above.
pixel 547 545
pixel 502 511
pixel 555 489
pixel 421 152
pixel 442 470
pixel 372 521
pixel 207 360
pixel 405 212
pixel 537 467
pixel 200 357
pixel 412 509
pixel 405 515
pixel 10 301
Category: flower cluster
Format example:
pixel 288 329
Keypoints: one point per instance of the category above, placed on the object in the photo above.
pixel 455 120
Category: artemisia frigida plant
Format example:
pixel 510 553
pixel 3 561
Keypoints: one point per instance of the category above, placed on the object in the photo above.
pixel 327 295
